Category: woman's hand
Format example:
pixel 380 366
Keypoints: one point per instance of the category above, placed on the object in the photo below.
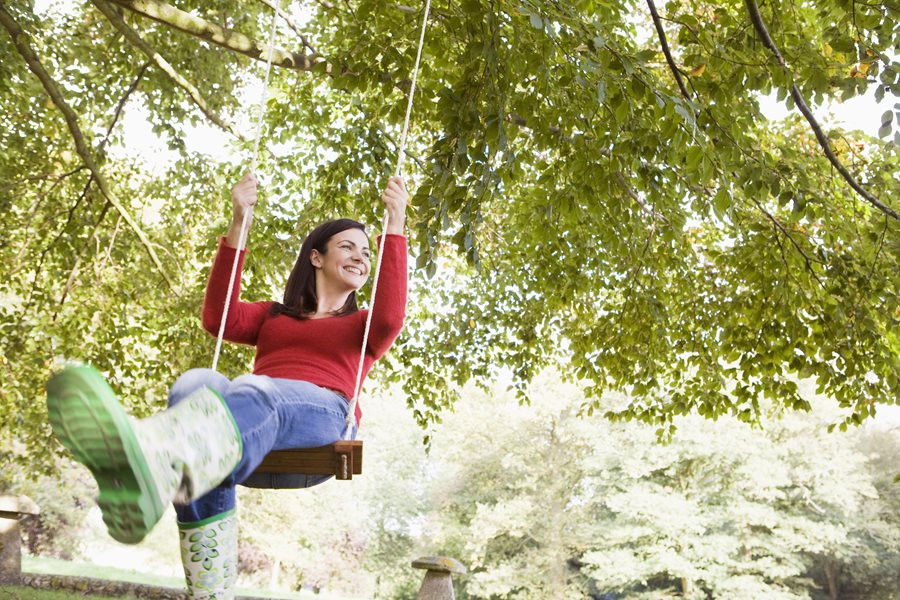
pixel 395 199
pixel 243 197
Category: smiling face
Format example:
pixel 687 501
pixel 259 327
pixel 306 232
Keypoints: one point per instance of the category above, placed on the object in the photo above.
pixel 344 266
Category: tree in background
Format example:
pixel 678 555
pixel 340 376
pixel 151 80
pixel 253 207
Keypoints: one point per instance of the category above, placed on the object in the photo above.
pixel 63 500
pixel 605 197
pixel 539 504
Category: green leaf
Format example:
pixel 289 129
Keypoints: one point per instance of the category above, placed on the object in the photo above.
pixel 601 92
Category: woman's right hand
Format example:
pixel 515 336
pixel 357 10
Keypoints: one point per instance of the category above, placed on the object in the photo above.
pixel 243 196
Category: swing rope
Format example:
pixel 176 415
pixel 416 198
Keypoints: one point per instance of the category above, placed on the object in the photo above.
pixel 249 211
pixel 351 412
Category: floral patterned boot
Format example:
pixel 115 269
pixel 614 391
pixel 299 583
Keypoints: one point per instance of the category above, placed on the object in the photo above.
pixel 142 465
pixel 209 555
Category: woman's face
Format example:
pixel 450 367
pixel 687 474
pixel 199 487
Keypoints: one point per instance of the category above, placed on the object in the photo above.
pixel 345 263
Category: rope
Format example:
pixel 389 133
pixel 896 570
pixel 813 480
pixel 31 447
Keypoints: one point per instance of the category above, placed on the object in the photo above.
pixel 249 211
pixel 351 412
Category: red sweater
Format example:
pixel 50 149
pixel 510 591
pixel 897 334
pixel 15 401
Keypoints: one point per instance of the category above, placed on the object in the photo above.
pixel 321 351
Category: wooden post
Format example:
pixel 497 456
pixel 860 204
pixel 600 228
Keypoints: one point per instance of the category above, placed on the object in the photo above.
pixel 12 509
pixel 438 583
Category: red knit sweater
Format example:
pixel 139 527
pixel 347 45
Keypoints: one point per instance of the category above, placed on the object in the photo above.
pixel 321 351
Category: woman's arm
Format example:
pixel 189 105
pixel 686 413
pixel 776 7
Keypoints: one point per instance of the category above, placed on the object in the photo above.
pixel 244 318
pixel 389 310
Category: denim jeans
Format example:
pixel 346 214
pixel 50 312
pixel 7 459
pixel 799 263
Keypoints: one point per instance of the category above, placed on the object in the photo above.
pixel 271 414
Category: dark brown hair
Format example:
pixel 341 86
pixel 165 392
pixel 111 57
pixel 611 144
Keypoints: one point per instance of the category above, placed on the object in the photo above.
pixel 300 299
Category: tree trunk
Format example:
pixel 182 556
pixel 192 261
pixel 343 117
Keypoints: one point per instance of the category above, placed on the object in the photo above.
pixel 834 591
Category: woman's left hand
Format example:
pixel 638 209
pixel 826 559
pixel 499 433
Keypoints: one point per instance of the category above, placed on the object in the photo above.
pixel 395 198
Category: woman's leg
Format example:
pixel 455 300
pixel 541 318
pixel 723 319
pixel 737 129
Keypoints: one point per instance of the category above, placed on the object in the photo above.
pixel 220 499
pixel 207 526
pixel 271 414
pixel 279 414
pixel 142 465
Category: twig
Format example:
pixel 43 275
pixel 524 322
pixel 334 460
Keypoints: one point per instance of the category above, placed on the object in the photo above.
pixel 790 238
pixel 18 263
pixel 290 22
pixel 121 105
pixel 624 184
pixel 70 281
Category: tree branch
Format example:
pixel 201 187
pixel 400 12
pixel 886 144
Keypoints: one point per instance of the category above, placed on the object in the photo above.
pixel 791 239
pixel 70 281
pixel 665 48
pixel 121 105
pixel 135 40
pixel 620 177
pixel 292 25
pixel 232 40
pixel 20 40
pixel 760 26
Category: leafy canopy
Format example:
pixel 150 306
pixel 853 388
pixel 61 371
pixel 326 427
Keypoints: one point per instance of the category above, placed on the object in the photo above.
pixel 574 206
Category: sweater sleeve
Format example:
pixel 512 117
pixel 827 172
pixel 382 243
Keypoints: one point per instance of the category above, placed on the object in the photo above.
pixel 244 318
pixel 389 310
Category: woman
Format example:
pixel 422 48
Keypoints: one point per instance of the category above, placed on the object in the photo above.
pixel 216 432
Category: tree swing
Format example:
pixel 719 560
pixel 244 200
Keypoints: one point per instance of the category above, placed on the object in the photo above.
pixel 342 459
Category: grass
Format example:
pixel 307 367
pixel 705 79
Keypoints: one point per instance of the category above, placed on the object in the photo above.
pixel 14 592
pixel 54 566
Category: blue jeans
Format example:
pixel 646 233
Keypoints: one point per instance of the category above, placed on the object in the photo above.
pixel 271 414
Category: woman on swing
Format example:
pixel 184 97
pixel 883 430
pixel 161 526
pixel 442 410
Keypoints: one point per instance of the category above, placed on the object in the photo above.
pixel 216 432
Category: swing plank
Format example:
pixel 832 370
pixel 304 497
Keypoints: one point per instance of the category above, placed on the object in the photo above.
pixel 342 459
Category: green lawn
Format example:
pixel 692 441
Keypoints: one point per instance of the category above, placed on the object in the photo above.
pixel 53 566
pixel 11 592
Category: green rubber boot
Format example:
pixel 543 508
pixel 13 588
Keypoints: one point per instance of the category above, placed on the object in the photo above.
pixel 209 556
pixel 142 465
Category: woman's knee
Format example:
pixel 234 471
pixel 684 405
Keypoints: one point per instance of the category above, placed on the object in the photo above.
pixel 194 379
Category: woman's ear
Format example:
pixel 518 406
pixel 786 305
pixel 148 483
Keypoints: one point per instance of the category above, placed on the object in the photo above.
pixel 315 259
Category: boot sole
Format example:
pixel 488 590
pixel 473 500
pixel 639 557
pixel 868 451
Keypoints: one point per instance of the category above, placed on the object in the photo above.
pixel 89 421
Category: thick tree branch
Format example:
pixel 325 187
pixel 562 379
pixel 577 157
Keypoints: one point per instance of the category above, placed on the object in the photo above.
pixel 20 40
pixel 135 40
pixel 665 48
pixel 238 42
pixel 232 40
pixel 763 32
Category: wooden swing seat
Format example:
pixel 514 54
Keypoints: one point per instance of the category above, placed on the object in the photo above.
pixel 342 459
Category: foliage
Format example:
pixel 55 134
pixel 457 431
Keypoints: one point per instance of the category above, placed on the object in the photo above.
pixel 542 504
pixel 572 209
